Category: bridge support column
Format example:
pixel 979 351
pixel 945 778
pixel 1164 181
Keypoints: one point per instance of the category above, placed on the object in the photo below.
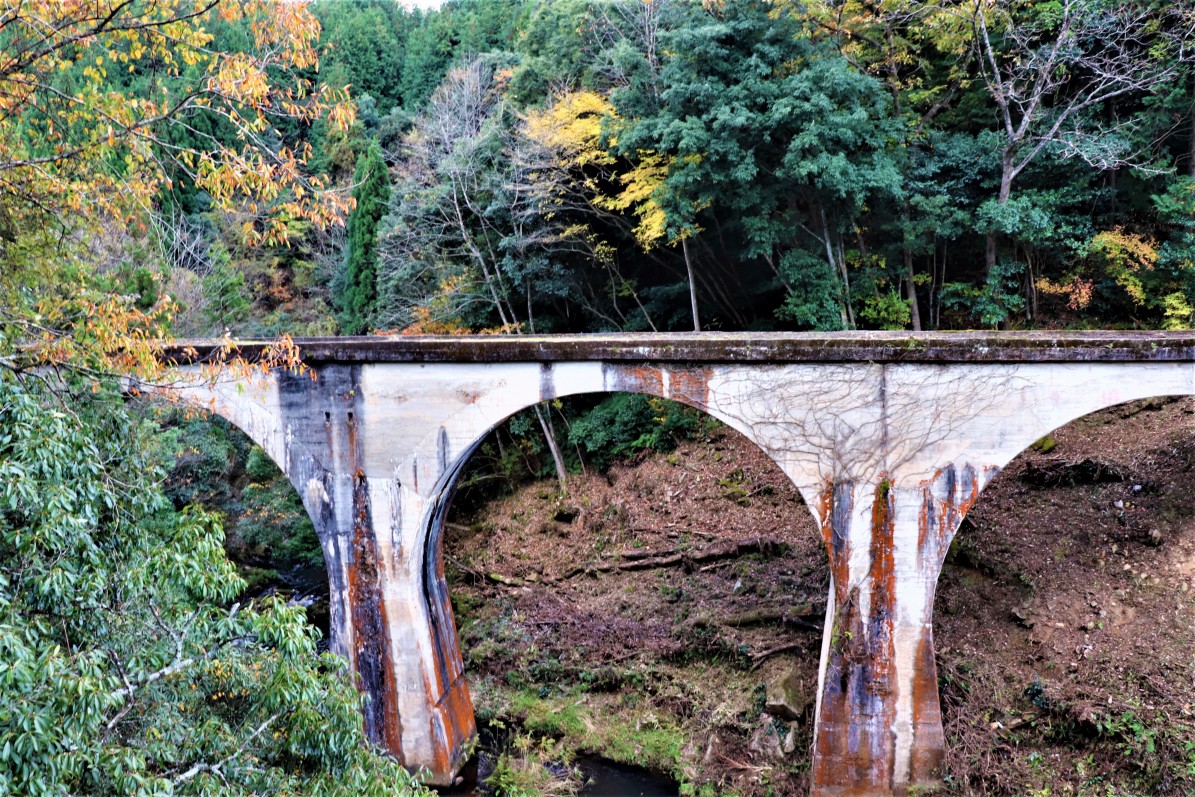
pixel 879 724
pixel 389 614
pixel 391 618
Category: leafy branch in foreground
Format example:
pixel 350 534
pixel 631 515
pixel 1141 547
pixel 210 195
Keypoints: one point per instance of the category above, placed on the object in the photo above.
pixel 97 98
pixel 123 667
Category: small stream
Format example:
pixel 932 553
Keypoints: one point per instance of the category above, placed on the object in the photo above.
pixel 607 779
pixel 603 779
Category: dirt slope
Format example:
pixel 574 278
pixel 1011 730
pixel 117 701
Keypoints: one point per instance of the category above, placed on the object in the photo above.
pixel 668 613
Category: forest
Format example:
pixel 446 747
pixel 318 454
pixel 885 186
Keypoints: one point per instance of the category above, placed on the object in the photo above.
pixel 580 167
pixel 265 168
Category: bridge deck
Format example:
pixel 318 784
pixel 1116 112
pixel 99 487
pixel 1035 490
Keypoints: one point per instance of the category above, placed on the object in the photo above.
pixel 722 347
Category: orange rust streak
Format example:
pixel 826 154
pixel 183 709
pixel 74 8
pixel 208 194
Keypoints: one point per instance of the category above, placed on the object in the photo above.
pixel 880 648
pixel 639 379
pixel 839 555
pixel 373 663
pixel 375 667
pixel 451 726
pixel 691 386
pixel 452 720
pixel 929 741
pixel 854 750
pixel 939 518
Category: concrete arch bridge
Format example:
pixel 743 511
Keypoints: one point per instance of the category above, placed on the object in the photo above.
pixel 890 437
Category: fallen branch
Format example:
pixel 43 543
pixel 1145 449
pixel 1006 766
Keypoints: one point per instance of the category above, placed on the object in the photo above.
pixel 793 617
pixel 471 575
pixel 1057 472
pixel 670 529
pixel 762 656
pixel 474 576
pixel 651 560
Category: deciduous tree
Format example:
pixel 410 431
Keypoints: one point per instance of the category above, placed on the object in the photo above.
pixel 78 144
pixel 1052 71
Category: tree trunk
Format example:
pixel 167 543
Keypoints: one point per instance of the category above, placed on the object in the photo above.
pixel 545 423
pixel 684 245
pixel 1191 145
pixel 911 290
pixel 910 284
pixel 989 262
pixel 844 301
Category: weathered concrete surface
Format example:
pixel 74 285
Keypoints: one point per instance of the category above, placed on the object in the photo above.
pixel 733 347
pixel 890 439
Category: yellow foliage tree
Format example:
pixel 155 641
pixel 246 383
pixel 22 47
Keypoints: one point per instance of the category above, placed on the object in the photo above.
pixel 83 153
pixel 1126 257
pixel 581 127
pixel 74 140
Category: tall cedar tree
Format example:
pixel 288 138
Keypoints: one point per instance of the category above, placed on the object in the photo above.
pixel 372 193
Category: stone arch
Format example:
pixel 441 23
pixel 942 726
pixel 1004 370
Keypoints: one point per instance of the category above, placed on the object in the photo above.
pixel 376 501
pixel 1058 394
pixel 256 406
pixel 434 548
pixel 1042 398
pixel 642 380
pixel 685 385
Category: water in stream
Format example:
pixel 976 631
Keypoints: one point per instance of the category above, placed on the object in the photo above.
pixel 607 779
pixel 603 779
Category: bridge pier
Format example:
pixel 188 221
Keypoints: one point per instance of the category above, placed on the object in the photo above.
pixel 389 613
pixel 879 723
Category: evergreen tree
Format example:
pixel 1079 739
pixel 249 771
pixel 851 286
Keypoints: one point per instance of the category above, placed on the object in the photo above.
pixel 372 194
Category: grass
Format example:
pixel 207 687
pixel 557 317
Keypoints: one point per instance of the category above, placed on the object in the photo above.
pixel 622 734
pixel 533 767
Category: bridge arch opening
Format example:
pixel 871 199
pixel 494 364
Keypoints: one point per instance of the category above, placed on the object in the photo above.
pixel 1063 614
pixel 269 534
pixel 666 611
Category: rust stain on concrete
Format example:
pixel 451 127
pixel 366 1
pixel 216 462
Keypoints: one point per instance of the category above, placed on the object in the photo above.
pixel 449 725
pixel 451 720
pixel 371 649
pixel 638 379
pixel 946 498
pixel 691 385
pixel 687 384
pixel 941 516
pixel 854 750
